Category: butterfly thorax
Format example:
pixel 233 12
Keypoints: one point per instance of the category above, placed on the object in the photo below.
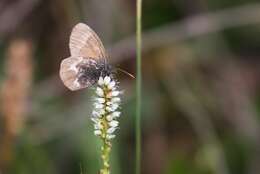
pixel 90 70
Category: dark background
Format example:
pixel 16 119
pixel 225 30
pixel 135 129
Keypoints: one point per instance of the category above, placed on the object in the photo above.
pixel 201 74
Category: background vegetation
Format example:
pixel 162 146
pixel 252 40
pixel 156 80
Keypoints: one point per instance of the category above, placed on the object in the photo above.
pixel 200 87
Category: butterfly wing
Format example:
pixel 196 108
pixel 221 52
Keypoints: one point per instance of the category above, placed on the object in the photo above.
pixel 69 71
pixel 84 42
pixel 86 48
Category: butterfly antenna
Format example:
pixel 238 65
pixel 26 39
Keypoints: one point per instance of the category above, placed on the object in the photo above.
pixel 125 72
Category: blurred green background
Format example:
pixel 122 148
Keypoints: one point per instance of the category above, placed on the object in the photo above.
pixel 201 79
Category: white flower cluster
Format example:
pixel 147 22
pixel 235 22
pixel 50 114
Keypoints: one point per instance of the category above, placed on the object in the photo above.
pixel 106 107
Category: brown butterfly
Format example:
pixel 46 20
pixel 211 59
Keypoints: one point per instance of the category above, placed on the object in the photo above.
pixel 87 61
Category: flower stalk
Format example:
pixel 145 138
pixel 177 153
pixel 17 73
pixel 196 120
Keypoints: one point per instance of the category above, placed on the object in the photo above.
pixel 104 116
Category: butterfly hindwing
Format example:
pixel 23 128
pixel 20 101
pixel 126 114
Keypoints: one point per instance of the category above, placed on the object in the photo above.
pixel 69 71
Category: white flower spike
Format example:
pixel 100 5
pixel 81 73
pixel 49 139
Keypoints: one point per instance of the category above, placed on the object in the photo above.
pixel 107 80
pixel 105 114
pixel 100 81
pixel 100 92
pixel 106 106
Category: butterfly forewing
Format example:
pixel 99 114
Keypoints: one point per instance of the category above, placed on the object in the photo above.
pixel 85 42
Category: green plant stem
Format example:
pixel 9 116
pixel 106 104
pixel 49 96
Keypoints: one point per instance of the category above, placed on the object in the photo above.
pixel 138 83
pixel 106 148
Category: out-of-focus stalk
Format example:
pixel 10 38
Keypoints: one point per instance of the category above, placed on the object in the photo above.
pixel 14 95
pixel 138 83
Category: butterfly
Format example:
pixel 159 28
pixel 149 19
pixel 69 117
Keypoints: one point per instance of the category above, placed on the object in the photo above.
pixel 87 61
